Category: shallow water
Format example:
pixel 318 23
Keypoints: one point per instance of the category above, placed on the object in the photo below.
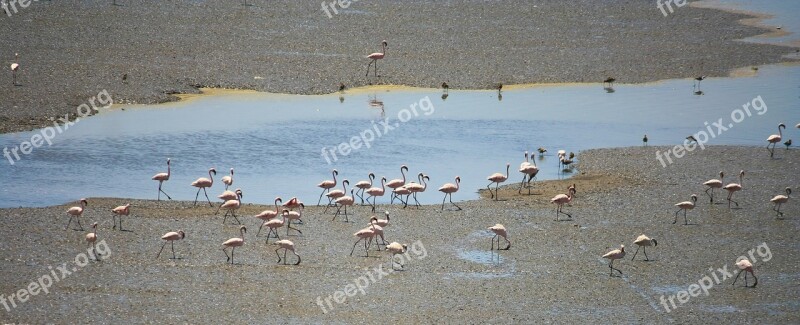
pixel 274 141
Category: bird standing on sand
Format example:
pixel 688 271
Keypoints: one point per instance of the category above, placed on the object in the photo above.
pixel 712 184
pixel 685 206
pixel 122 210
pixel 497 178
pixel 562 199
pixel 448 189
pixel 342 87
pixel 642 242
pixel 276 224
pixel 788 143
pixel 445 87
pixel 233 243
pixel 226 196
pixel 228 180
pixel 691 138
pixel 499 231
pixel 375 57
pixel 286 245
pixel 14 68
pixel 76 212
pixel 746 267
pixel 171 237
pixel 374 192
pixel 203 183
pixel 363 186
pixel 327 185
pixel 397 183
pixel 396 248
pixel 366 235
pixel 344 201
pixel 774 139
pixel 780 199
pixel 161 178
pixel 336 194
pixel 91 239
pixel 231 206
pixel 267 215
pixel 734 187
pixel 616 254
pixel 644 140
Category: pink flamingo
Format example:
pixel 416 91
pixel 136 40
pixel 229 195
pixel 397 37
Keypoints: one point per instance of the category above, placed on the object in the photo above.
pixel 344 201
pixel 15 67
pixel 336 194
pixel 397 183
pixel 400 191
pixel 396 248
pixel 374 192
pixel 746 267
pixel 267 215
pixel 275 224
pixel 774 139
pixel 327 185
pixel 780 199
pixel 363 186
pixel 232 206
pixel 684 206
pixel 233 243
pixel 375 57
pixel 227 195
pixel 171 237
pixel 643 242
pixel 294 215
pixel 562 199
pixel 91 238
pixel 499 231
pixel 122 210
pixel 712 184
pixel 76 212
pixel 417 187
pixel 616 254
pixel 292 204
pixel 529 171
pixel 228 180
pixel 286 245
pixel 161 178
pixel 497 178
pixel 366 235
pixel 733 188
pixel 448 190
pixel 203 183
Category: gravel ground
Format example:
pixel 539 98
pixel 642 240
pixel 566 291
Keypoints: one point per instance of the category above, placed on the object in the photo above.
pixel 553 272
pixel 71 50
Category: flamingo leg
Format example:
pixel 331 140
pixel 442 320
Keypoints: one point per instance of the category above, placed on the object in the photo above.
pixel 644 250
pixel 490 190
pixel 279 255
pixel 289 226
pixel 737 278
pixel 114 219
pixel 173 248
pixel 320 196
pixel 684 218
pixel 444 198
pixel 209 200
pixel 451 201
pixel 710 195
pixel 196 196
pixel 226 254
pixel 521 184
pixel 676 216
pixel 777 209
pixel 162 248
pixel 354 247
pixel 259 229
pixel 162 191
pixel 636 252
pixel 368 66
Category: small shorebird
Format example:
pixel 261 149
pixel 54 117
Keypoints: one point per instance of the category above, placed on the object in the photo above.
pixel 609 81
pixel 14 68
pixel 76 212
pixel 327 185
pixel 171 237
pixel 445 87
pixel 396 248
pixel 788 143
pixel 499 231
pixel 691 138
pixel 541 151
pixel 746 267
pixel 615 255
pixel 342 87
pixel 779 200
pixel 375 57
pixel 233 243
pixel 642 242
pixel 685 206
pixel 497 178
pixel 161 178
pixel 122 210
pixel 203 183
pixel 644 140
pixel 774 139
pixel 733 188
pixel 448 190
pixel 286 245
pixel 712 184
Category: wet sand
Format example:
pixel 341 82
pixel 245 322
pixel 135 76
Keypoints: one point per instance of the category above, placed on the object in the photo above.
pixel 169 48
pixel 553 272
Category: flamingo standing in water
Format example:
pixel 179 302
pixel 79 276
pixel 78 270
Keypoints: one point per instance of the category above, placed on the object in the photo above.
pixel 374 192
pixel 15 67
pixel 286 245
pixel 203 183
pixel 375 57
pixel 267 215
pixel 779 200
pixel 733 188
pixel 76 212
pixel 363 186
pixel 233 243
pixel 529 171
pixel 91 239
pixel 336 194
pixel 774 139
pixel 746 267
pixel 684 206
pixel 397 183
pixel 171 237
pixel 562 199
pixel 497 178
pixel 712 184
pixel 396 248
pixel 161 178
pixel 499 231
pixel 615 255
pixel 228 180
pixel 327 185
pixel 344 201
pixel 122 210
pixel 448 190
pixel 232 206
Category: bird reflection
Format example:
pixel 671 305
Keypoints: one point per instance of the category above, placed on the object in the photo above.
pixel 374 102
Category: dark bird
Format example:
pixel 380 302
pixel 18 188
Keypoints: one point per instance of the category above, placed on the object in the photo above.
pixel 342 87
pixel 609 81
pixel 644 140
pixel 691 138
pixel 541 150
pixel 788 143
pixel 446 87
pixel 125 78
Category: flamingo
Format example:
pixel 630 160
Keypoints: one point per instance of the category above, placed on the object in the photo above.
pixel 171 237
pixel 685 206
pixel 232 206
pixel 228 195
pixel 382 222
pixel 286 245
pixel 122 210
pixel 644 143
pixel 378 232
pixel 396 248
pixel 161 178
pixel 712 184
pixel 780 199
pixel 327 185
pixel 14 68
pixel 363 186
pixel 374 192
pixel 336 194
pixel 497 178
pixel 91 238
pixel 529 171
pixel 76 212
pixel 202 183
pixel 746 267
pixel 615 255
pixel 642 242
pixel 267 215
pixel 233 243
pixel 562 199
pixel 734 187
pixel 402 190
pixel 774 139
pixel 397 183
pixel 294 215
pixel 228 180
pixel 499 231
pixel 344 201
pixel 415 188
pixel 366 235
pixel 293 203
pixel 276 224
pixel 375 57
pixel 448 189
